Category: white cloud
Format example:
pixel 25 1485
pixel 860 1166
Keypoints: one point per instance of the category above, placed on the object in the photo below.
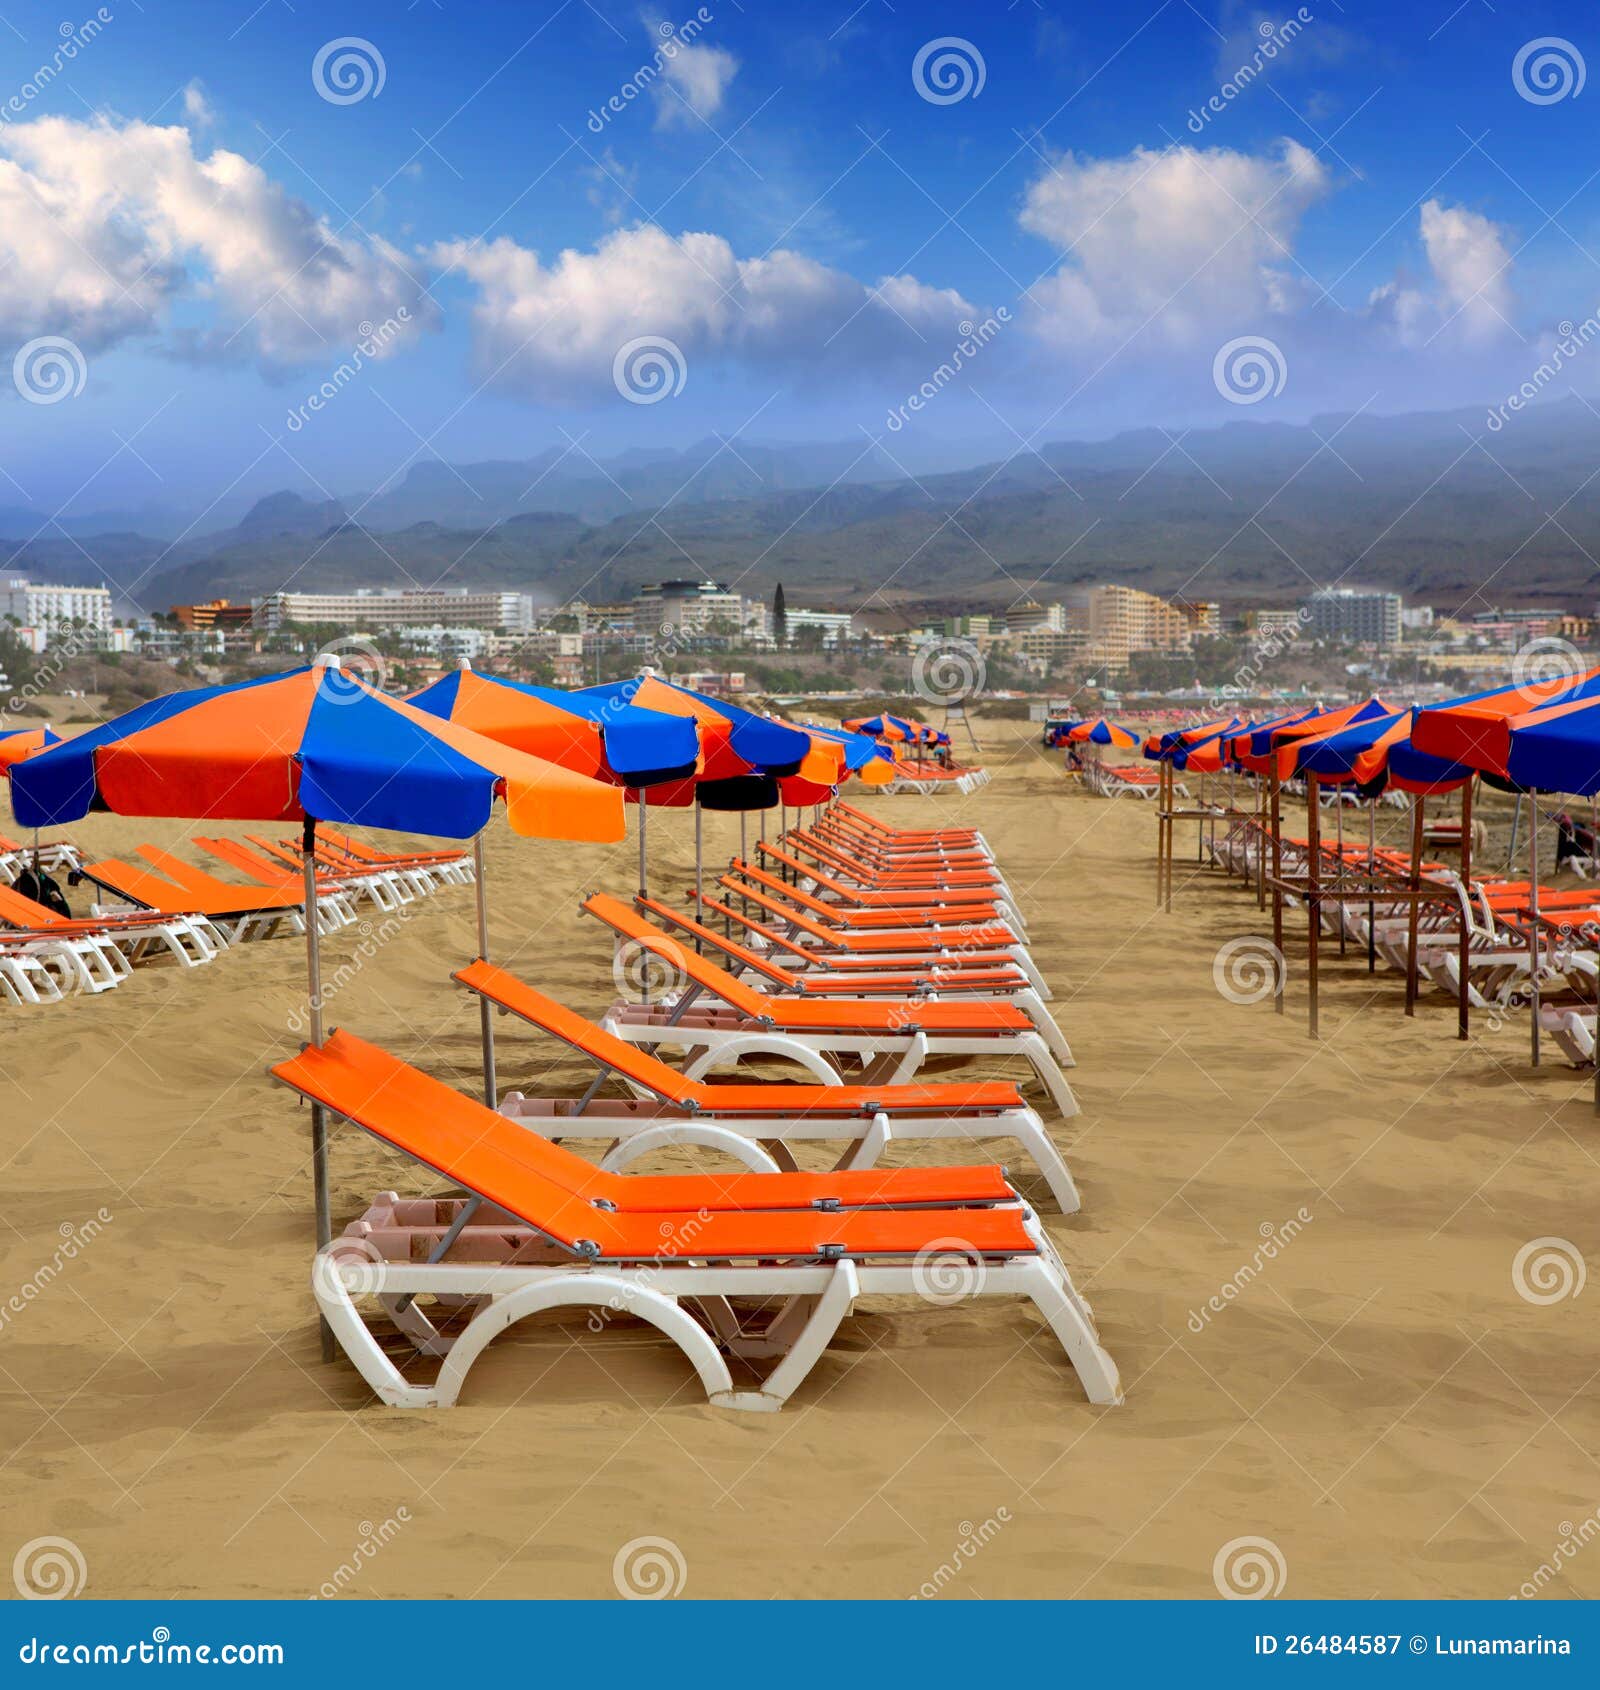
pixel 1191 240
pixel 553 330
pixel 103 225
pixel 1467 254
pixel 1467 295
pixel 197 107
pixel 694 82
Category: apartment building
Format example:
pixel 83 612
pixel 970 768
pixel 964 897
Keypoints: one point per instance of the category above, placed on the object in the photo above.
pixel 373 608
pixel 56 612
pixel 1112 622
pixel 1354 615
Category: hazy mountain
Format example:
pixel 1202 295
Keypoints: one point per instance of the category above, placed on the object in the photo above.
pixel 1433 505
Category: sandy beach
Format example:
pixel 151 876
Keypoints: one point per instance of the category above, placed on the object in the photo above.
pixel 1378 1401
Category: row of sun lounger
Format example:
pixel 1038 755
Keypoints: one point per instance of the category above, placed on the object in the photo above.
pixel 928 779
pixel 165 907
pixel 1495 911
pixel 858 952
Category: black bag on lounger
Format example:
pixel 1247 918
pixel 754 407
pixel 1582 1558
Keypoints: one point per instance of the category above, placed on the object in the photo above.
pixel 36 884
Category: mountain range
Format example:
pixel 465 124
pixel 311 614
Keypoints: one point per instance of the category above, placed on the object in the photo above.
pixel 1434 505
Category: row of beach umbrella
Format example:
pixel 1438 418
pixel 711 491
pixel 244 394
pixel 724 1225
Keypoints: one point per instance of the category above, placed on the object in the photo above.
pixel 319 745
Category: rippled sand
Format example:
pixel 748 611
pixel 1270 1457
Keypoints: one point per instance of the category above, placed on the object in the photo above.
pixel 1378 1401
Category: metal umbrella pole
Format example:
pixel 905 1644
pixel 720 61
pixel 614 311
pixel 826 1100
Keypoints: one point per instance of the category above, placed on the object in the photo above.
pixel 491 1093
pixel 1533 925
pixel 319 1116
pixel 644 817
pixel 699 882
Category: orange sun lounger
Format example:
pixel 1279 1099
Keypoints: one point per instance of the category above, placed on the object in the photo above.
pixel 900 1036
pixel 758 1125
pixel 526 1240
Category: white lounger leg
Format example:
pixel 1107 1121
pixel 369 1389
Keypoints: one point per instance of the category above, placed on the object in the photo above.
pixel 704 1133
pixel 804 1352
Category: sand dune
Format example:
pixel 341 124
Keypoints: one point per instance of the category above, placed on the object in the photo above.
pixel 1378 1401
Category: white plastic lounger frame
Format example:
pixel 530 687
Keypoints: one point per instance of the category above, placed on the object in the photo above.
pixel 817 1298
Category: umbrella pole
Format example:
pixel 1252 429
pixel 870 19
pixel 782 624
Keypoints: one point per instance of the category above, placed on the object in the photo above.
pixel 699 880
pixel 1372 869
pixel 644 818
pixel 1277 889
pixel 1462 1000
pixel 1313 901
pixel 1533 926
pixel 1416 894
pixel 744 850
pixel 1261 844
pixel 491 1090
pixel 1516 818
pixel 1338 826
pixel 319 1118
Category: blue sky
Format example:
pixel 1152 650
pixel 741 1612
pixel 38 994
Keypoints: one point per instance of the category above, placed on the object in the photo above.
pixel 801 236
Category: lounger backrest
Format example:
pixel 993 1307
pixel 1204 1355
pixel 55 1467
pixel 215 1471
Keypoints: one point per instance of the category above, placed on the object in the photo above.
pixel 702 970
pixel 751 925
pixel 816 874
pixel 781 887
pixel 763 966
pixel 773 907
pixel 456 1136
pixel 188 877
pixel 576 1030
pixel 238 855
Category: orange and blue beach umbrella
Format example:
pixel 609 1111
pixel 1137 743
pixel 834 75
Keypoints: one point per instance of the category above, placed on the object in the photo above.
pixel 1479 730
pixel 313 743
pixel 742 754
pixel 620 743
pixel 17 743
pixel 1375 755
pixel 1102 732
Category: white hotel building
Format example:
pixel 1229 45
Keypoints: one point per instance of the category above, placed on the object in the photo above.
pixel 371 608
pixel 54 612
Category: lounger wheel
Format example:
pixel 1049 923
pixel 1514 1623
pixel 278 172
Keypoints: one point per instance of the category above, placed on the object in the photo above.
pixel 704 1134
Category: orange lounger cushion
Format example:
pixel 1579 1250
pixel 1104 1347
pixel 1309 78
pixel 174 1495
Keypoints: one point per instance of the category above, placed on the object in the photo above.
pixel 708 1099
pixel 513 1168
